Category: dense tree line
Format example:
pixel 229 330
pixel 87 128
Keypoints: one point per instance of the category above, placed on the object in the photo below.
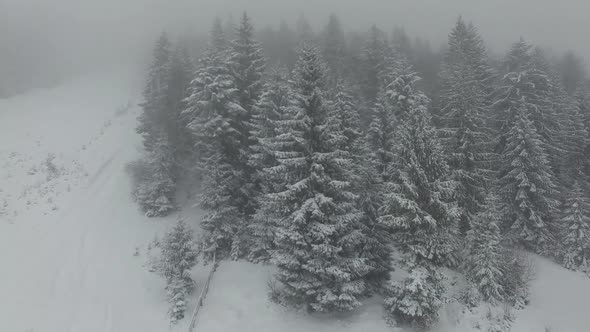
pixel 327 155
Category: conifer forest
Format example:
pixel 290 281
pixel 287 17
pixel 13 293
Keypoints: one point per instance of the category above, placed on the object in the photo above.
pixel 294 166
pixel 339 158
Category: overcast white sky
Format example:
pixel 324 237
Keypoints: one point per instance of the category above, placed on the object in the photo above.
pixel 76 28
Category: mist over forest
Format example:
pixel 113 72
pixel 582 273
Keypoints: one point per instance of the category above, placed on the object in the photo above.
pixel 45 42
pixel 282 165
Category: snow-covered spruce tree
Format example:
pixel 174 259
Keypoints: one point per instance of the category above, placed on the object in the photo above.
pixel 333 44
pixel 582 98
pixel 573 141
pixel 154 186
pixel 181 73
pixel 518 57
pixel 526 181
pixel 376 71
pixel 345 118
pixel 179 256
pixel 270 109
pixel 543 97
pixel 418 203
pixel 155 180
pixel 246 66
pixel 466 83
pixel 155 103
pixel 400 41
pixel 575 229
pixel 318 234
pixel 558 122
pixel 484 261
pixel 215 116
pixel 417 299
pixel 218 37
pixel 304 31
pixel 381 137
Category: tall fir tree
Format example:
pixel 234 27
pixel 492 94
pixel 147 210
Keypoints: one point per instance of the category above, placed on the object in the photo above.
pixel 566 124
pixel 526 180
pixel 246 66
pixel 401 42
pixel 518 57
pixel 215 114
pixel 276 99
pixel 484 261
pixel 539 93
pixel 557 120
pixel 318 235
pixel 466 80
pixel 582 100
pixel 156 185
pixel 179 256
pixel 181 72
pixel 375 56
pixel 573 72
pixel 366 183
pixel 334 49
pixel 218 37
pixel 419 204
pixel 304 31
pixel 155 102
pixel 381 137
pixel 575 229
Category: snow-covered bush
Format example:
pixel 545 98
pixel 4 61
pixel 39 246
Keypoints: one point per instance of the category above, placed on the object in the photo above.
pixel 179 255
pixel 417 299
pixel 52 169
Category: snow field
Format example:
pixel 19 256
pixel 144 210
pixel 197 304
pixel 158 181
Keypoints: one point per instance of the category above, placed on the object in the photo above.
pixel 69 232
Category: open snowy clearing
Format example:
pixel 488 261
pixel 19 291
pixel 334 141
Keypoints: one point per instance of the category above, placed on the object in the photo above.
pixel 68 233
pixel 69 230
pixel 238 302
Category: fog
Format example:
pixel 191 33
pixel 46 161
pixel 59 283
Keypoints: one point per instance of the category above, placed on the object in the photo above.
pixel 58 38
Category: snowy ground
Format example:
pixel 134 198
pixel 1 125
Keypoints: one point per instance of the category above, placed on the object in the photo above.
pixel 560 300
pixel 69 230
pixel 237 302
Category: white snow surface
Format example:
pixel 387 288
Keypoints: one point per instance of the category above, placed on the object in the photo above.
pixel 560 301
pixel 69 230
pixel 68 233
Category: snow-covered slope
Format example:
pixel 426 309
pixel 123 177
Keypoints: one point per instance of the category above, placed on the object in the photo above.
pixel 560 300
pixel 238 301
pixel 68 228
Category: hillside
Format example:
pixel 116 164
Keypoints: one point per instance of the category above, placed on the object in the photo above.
pixel 69 230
